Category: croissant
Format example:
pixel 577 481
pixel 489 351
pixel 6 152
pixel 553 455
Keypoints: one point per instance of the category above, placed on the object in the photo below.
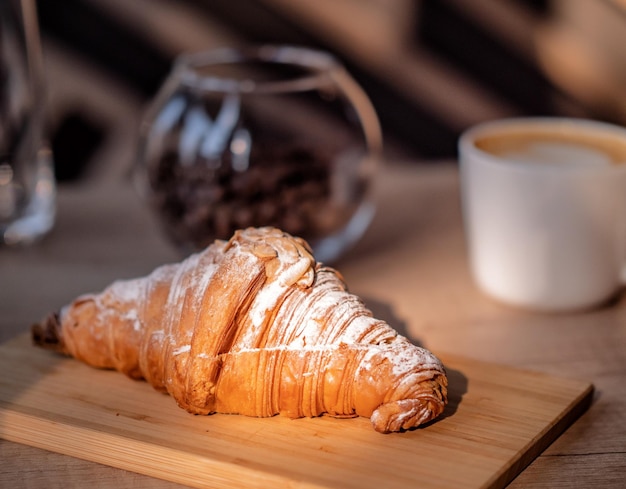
pixel 253 326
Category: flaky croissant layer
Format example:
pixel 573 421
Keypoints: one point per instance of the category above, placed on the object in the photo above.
pixel 253 326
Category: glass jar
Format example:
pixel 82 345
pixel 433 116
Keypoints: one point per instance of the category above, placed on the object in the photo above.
pixel 27 183
pixel 268 136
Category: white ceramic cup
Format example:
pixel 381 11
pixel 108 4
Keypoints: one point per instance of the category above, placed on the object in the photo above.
pixel 544 204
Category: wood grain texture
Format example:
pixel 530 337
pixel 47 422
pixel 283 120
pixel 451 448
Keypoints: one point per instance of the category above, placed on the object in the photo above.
pixel 498 420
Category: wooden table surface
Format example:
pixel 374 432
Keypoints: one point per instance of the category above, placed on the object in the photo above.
pixel 411 269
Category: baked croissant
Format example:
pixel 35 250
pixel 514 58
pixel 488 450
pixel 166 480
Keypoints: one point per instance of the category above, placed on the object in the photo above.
pixel 253 326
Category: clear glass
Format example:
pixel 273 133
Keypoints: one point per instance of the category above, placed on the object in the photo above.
pixel 27 185
pixel 273 135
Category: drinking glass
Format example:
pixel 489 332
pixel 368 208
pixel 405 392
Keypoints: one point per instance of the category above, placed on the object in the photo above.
pixel 265 136
pixel 27 185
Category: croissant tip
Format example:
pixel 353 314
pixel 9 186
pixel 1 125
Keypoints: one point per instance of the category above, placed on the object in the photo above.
pixel 46 334
pixel 407 414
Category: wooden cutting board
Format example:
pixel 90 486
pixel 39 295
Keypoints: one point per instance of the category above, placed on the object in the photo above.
pixel 498 420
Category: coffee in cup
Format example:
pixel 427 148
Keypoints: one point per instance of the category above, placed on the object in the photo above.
pixel 568 144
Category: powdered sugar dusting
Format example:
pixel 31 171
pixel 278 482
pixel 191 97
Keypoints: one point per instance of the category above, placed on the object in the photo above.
pixel 292 265
pixel 265 300
pixel 190 279
pixel 127 290
pixel 291 347
pixel 404 357
pixel 132 316
pixel 181 349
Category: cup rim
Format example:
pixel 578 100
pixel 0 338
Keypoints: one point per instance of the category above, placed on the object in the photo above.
pixel 320 64
pixel 466 142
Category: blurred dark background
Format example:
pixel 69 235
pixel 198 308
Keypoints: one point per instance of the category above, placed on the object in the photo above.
pixel 431 67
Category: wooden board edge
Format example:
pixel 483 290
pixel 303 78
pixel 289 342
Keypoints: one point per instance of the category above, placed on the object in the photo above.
pixel 544 439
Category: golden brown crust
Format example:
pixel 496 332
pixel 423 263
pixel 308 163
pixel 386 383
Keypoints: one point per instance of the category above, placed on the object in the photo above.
pixel 254 326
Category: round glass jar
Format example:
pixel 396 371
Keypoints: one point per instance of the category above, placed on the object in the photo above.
pixel 268 136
